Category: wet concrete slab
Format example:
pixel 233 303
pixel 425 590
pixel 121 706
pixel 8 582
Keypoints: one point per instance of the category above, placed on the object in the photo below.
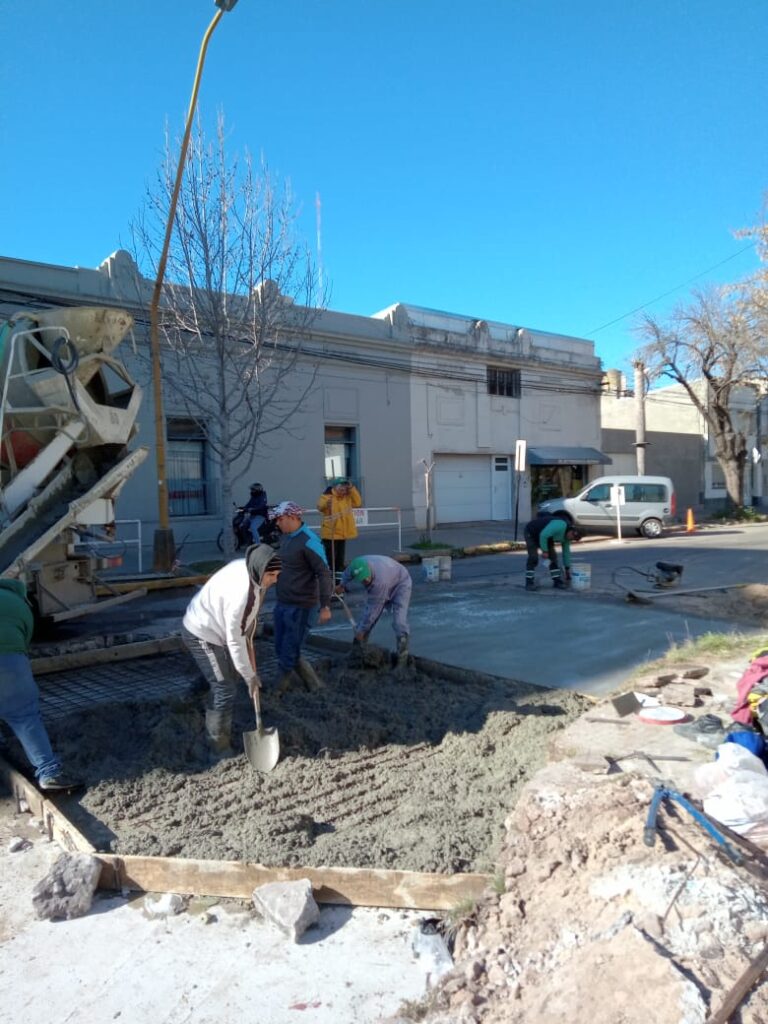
pixel 569 640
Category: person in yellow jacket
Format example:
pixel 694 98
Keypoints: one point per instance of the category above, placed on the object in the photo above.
pixel 338 525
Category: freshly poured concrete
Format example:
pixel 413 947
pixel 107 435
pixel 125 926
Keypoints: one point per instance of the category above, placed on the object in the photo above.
pixel 571 640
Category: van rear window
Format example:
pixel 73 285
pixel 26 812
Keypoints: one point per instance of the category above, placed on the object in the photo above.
pixel 646 493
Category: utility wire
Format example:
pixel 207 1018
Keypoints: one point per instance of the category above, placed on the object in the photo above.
pixel 596 330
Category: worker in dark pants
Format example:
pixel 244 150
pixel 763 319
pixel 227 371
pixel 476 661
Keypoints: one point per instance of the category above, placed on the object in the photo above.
pixel 19 696
pixel 543 533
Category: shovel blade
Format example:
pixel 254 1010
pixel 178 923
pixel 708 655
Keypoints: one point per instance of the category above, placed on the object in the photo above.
pixel 262 748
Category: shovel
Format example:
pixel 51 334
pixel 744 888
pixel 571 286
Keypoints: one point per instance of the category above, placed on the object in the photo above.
pixel 262 746
pixel 345 606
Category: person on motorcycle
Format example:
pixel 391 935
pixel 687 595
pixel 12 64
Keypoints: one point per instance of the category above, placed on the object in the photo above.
pixel 255 509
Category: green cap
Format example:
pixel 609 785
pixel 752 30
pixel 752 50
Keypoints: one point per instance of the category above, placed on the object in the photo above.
pixel 359 569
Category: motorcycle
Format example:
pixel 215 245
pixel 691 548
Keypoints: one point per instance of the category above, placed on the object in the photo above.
pixel 248 529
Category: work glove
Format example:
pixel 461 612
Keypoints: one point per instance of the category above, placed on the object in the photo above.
pixel 254 685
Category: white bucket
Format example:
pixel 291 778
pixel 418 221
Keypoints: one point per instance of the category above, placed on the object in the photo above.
pixel 581 576
pixel 445 567
pixel 431 569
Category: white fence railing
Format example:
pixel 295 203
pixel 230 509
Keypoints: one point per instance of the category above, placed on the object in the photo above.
pixel 381 518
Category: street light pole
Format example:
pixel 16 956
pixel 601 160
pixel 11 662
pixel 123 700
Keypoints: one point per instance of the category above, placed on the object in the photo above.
pixel 164 545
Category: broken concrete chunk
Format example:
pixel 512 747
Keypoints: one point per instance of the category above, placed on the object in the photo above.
pixel 18 843
pixel 67 890
pixel 166 905
pixel 289 905
pixel 681 695
pixel 693 671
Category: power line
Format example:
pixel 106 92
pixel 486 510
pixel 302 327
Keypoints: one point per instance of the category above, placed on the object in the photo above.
pixel 596 330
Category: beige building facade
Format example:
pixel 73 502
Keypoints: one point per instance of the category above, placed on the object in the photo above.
pixel 679 443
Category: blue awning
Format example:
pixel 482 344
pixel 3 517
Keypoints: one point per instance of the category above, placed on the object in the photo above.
pixel 567 457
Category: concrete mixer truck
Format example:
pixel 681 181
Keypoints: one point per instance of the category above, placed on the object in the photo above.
pixel 68 411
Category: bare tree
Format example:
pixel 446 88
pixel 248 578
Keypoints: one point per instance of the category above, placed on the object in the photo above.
pixel 713 347
pixel 239 300
pixel 755 287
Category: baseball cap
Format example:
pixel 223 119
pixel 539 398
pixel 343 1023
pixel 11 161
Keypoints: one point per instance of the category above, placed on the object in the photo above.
pixel 286 508
pixel 359 569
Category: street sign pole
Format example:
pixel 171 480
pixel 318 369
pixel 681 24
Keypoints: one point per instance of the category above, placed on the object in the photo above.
pixel 520 447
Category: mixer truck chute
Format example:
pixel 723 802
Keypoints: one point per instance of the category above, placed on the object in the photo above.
pixel 68 412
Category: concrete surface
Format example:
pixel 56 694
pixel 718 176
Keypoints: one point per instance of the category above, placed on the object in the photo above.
pixel 358 965
pixel 116 964
pixel 553 639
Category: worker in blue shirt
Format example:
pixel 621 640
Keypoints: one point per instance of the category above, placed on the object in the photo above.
pixel 543 533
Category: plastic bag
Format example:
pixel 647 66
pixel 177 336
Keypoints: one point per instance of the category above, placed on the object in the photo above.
pixel 734 788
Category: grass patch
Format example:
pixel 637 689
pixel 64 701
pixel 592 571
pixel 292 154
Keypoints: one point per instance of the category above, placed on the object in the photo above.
pixel 707 647
pixel 722 645
pixel 744 514
pixel 419 1009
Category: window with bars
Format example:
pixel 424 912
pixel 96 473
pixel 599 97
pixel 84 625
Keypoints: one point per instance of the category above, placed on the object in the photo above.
pixel 503 382
pixel 188 484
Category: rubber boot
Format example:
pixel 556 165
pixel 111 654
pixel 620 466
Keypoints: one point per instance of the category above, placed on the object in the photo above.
pixel 289 680
pixel 557 582
pixel 402 651
pixel 311 679
pixel 218 726
pixel 530 583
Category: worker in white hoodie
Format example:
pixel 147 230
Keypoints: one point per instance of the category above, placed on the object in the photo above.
pixel 218 630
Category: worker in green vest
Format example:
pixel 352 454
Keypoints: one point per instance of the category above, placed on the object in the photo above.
pixel 543 533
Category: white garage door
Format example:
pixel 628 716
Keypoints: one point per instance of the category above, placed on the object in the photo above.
pixel 462 488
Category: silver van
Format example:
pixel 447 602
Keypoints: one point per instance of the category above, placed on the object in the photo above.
pixel 649 505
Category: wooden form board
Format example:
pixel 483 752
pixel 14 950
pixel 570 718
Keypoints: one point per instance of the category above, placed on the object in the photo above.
pixel 167 583
pixel 59 826
pixel 105 655
pixel 359 887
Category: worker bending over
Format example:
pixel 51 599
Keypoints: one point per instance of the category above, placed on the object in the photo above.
pixel 543 533
pixel 218 630
pixel 388 585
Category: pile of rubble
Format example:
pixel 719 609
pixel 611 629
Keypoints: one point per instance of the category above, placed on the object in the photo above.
pixel 597 917
pixel 591 924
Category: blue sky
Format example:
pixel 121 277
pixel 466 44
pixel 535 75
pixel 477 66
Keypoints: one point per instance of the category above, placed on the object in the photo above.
pixel 545 163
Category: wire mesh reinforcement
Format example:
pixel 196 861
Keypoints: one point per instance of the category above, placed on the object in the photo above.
pixel 160 677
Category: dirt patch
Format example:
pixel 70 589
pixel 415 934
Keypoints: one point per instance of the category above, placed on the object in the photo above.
pixel 407 771
pixel 595 925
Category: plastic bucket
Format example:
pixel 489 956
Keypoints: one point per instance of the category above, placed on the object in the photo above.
pixel 445 567
pixel 581 576
pixel 431 569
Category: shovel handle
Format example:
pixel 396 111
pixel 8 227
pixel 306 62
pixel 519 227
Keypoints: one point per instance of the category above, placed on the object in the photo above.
pixel 257 709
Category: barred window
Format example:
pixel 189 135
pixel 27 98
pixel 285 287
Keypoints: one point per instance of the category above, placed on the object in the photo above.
pixel 503 382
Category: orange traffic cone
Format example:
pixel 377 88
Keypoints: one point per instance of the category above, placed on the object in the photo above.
pixel 690 526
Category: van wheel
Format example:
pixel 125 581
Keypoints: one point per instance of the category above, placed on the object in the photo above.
pixel 651 528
